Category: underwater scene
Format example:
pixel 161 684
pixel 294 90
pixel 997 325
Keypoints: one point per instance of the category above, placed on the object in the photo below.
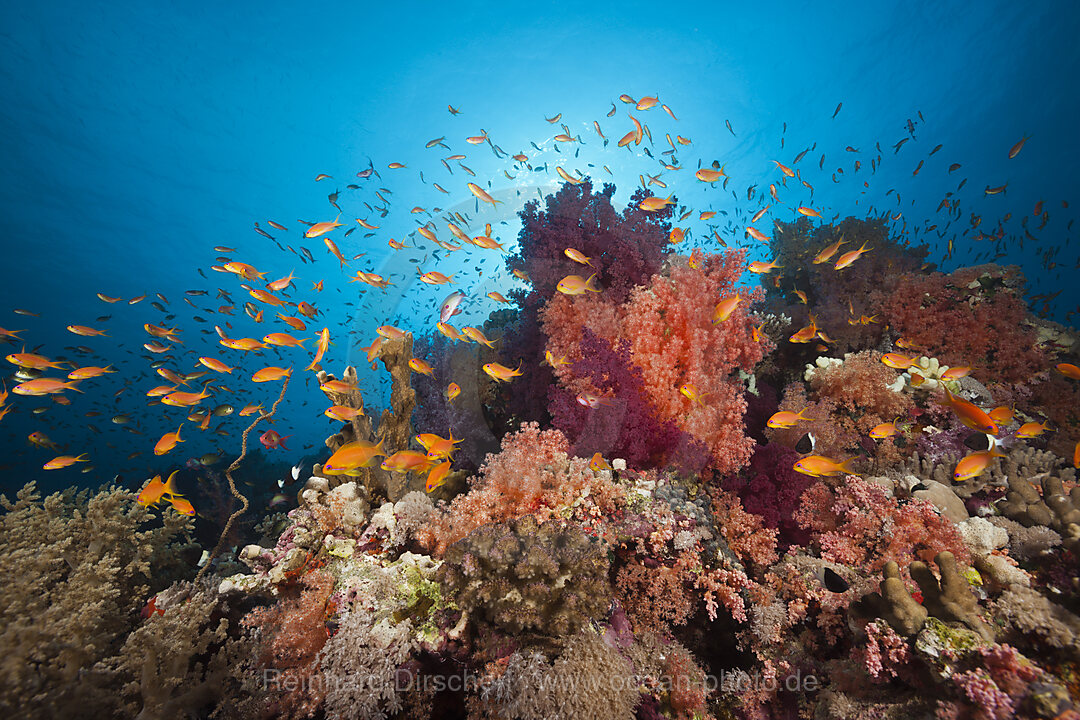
pixel 540 362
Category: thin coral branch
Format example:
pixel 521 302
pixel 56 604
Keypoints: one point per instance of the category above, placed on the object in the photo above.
pixel 232 484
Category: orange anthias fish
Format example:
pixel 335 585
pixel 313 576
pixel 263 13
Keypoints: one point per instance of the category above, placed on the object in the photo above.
pixel 1032 430
pixel 786 419
pixel 168 441
pixel 761 268
pixel 477 336
pixel 1001 415
pixel 577 285
pixel 1069 370
pixel 652 203
pixel 85 373
pixel 577 256
pixel 350 457
pixel 497 297
pixel 481 194
pixel 323 344
pixel 342 413
pixel 321 228
pixel 64 461
pixel 452 391
pixel 898 361
pixel 827 254
pixel 725 308
pixel 85 331
pixel 884 431
pixel 269 374
pixel 501 373
pixel 808 212
pixel 155 490
pixel 404 461
pixel 821 466
pixel 975 464
pixel 215 365
pixel 709 175
pixel 851 256
pixel 598 463
pixel 970 414
pixel 422 367
pixel 250 410
pixel 692 394
pixel 35 362
pixel 438 447
pixel 281 339
pixel 44 386
pixel 437 476
pixel 185 399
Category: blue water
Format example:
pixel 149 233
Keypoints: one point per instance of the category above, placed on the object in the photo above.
pixel 138 136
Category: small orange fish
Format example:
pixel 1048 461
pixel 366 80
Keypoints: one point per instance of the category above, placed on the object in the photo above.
pixel 283 340
pixel 497 297
pixel 35 362
pixel 598 463
pixel 553 361
pixel 576 285
pixel 64 461
pixel 955 373
pixel 756 334
pixel 181 505
pixel 851 256
pixel 725 308
pixel 321 348
pixel 85 331
pixel 184 399
pixel 898 361
pixel 391 333
pixel 452 391
pixel 577 256
pixel 692 394
pixel 1032 430
pixel 352 456
pixel 434 277
pixel 1001 415
pixel 593 401
pixel 785 169
pixel 821 466
pixel 785 419
pixel 975 464
pixel 245 344
pixel 215 365
pixel 884 431
pixel 168 441
pixel 481 194
pixel 404 461
pixel 342 413
pixel 1069 370
pixel 826 255
pixel 808 212
pixel 250 410
pixel 44 386
pixel 652 203
pixel 970 414
pixel 294 322
pixel 421 367
pixel 761 268
pixel 269 374
pixel 155 490
pixel 757 234
pixel 501 373
pixel 709 175
pixel 437 476
pixel 320 228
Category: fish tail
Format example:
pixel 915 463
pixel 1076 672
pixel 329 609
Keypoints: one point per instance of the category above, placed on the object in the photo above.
pixel 846 465
pixel 590 284
pixel 72 385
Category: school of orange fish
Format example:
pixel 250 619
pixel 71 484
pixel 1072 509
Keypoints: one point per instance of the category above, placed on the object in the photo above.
pixel 436 457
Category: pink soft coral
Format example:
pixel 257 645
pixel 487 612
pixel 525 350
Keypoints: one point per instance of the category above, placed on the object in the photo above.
pixel 532 474
pixel 667 324
pixel 857 523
